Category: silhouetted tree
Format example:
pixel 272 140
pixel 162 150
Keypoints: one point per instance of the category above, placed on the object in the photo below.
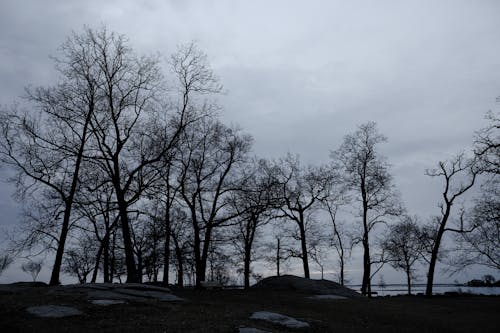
pixel 211 154
pixel 340 240
pixel 46 145
pixel 79 260
pixel 366 174
pixel 404 246
pixel 481 246
pixel 459 175
pixel 301 191
pixel 253 203
pixel 180 231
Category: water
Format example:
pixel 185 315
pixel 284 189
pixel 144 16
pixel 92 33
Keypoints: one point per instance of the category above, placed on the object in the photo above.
pixel 401 289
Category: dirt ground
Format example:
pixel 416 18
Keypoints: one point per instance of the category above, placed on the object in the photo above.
pixel 227 310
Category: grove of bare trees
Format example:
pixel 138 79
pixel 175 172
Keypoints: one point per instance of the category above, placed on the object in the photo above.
pixel 126 173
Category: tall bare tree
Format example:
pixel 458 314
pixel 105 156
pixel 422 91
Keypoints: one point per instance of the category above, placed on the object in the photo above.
pixel 340 240
pixel 458 175
pixel 301 190
pixel 366 175
pixel 253 203
pixel 482 245
pixel 46 144
pixel 210 156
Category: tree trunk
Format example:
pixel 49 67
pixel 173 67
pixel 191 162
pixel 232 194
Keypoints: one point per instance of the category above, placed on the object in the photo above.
pixel 342 267
pixel 56 269
pixel 278 257
pixel 202 265
pixel 105 260
pixel 435 250
pixel 180 267
pixel 166 250
pixel 303 243
pixel 408 280
pixel 97 262
pixel 132 273
pixel 246 271
pixel 139 266
pixel 366 288
pixel 366 285
pixel 197 259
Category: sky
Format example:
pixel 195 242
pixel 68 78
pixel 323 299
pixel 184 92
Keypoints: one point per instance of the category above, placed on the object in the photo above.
pixel 299 75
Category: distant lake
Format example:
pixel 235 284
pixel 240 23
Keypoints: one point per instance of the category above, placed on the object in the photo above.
pixel 398 289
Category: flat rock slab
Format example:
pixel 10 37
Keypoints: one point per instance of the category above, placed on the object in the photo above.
pixel 132 295
pixel 106 302
pixel 112 295
pixel 53 311
pixel 251 330
pixel 327 297
pixel 279 319
pixel 159 295
pixel 139 286
pixel 118 292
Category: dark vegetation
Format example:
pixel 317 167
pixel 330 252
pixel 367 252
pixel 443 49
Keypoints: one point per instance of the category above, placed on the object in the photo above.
pixel 126 173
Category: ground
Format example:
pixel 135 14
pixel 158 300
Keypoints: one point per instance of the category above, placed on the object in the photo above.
pixel 228 310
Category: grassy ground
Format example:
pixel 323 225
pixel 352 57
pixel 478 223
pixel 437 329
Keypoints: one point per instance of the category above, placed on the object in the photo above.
pixel 226 310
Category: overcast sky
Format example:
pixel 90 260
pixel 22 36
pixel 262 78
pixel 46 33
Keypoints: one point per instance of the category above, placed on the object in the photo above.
pixel 299 75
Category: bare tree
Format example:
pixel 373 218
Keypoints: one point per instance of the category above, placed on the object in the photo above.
pixel 459 175
pixel 340 240
pixel 210 157
pixel 180 231
pixel 80 259
pixel 32 268
pixel 276 253
pixel 404 246
pixel 98 214
pixel 129 87
pixel 301 191
pixel 195 83
pixel 46 145
pixel 253 203
pixel 481 246
pixel 366 174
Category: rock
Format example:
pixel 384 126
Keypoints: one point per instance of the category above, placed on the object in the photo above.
pixel 279 319
pixel 106 302
pixel 117 292
pixel 291 282
pixel 30 284
pixel 13 288
pixel 327 297
pixel 108 294
pixel 139 286
pixel 53 311
pixel 251 330
pixel 161 296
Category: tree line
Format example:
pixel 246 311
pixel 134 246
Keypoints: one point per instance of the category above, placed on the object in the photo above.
pixel 124 170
